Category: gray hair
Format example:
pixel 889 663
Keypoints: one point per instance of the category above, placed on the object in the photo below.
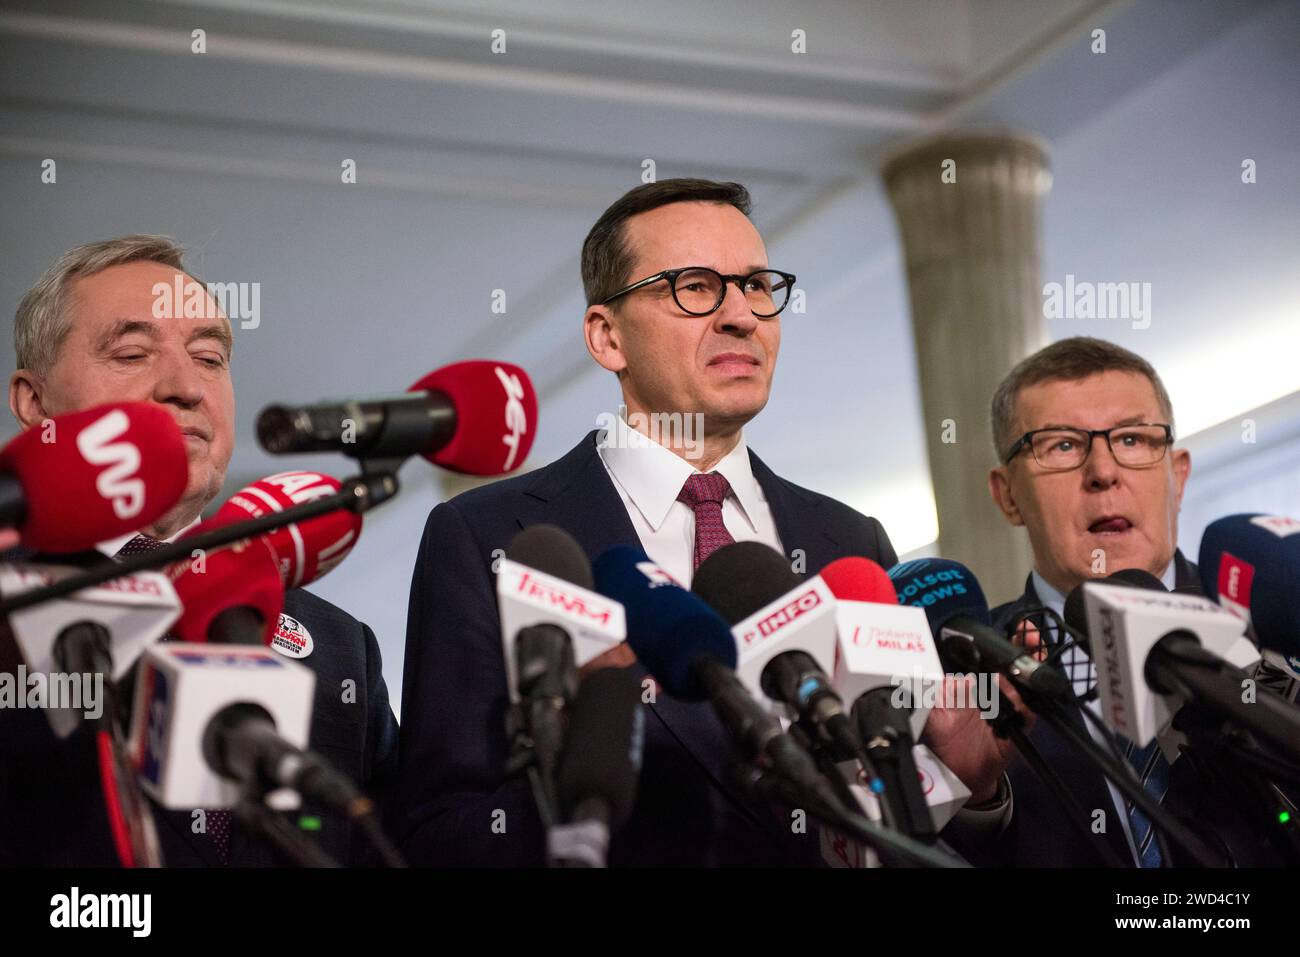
pixel 41 322
pixel 1066 361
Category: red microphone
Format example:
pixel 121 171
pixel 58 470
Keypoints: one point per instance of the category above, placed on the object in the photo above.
pixel 304 551
pixel 478 417
pixel 230 595
pixel 495 412
pixel 92 475
pixel 859 579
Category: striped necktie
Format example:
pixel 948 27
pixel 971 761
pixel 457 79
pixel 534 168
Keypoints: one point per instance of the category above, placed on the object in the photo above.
pixel 1149 762
pixel 1153 772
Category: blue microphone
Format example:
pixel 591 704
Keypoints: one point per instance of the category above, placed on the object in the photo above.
pixel 1250 564
pixel 669 629
pixel 954 605
pixel 690 650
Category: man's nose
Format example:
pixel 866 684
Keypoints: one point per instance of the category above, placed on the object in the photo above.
pixel 733 315
pixel 1101 470
pixel 179 381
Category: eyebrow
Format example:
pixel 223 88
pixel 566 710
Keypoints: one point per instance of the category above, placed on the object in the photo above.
pixel 126 327
pixel 1127 420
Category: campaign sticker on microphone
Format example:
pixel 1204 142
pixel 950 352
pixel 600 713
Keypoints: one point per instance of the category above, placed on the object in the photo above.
pixel 291 639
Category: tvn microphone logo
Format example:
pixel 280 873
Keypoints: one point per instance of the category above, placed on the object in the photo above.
pixel 516 418
pixel 782 617
pixel 98 444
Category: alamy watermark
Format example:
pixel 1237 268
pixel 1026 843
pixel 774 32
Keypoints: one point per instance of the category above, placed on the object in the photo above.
pixel 979 691
pixel 674 430
pixel 41 690
pixel 1098 300
pixel 240 301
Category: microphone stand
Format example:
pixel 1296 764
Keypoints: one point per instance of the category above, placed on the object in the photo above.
pixel 1122 775
pixel 358 494
pixel 892 847
pixel 252 812
pixel 1011 724
pixel 1224 753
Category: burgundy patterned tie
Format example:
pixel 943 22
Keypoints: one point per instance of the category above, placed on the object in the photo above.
pixel 704 494
pixel 217 821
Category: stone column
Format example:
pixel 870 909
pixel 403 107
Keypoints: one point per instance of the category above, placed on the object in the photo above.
pixel 968 207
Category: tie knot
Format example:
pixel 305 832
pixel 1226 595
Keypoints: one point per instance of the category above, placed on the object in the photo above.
pixel 700 488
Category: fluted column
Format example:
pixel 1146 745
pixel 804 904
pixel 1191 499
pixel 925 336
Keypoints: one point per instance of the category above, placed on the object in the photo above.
pixel 968 208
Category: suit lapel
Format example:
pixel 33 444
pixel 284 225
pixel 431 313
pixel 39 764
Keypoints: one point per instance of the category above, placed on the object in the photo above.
pixel 576 493
pixel 797 518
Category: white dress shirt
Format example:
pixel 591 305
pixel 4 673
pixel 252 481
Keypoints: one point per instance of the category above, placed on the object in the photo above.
pixel 649 477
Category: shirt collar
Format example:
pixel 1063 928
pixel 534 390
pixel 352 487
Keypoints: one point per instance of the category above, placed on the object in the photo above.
pixel 653 475
pixel 1049 597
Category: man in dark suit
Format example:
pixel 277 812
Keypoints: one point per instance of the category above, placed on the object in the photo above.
pixel 684 310
pixel 1084 431
pixel 92 331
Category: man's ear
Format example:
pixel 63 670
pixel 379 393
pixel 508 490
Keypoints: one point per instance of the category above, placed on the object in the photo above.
pixel 1182 463
pixel 1000 489
pixel 604 341
pixel 25 398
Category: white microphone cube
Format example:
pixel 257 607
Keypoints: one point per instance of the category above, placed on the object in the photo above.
pixel 1124 624
pixel 527 597
pixel 889 646
pixel 803 619
pixel 180 687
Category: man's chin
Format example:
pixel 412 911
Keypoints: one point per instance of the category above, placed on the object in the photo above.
pixel 739 406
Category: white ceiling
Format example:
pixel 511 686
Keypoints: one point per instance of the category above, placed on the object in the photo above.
pixel 479 171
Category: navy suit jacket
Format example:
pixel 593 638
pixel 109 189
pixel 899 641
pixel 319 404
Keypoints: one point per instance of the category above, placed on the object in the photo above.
pixel 52 813
pixel 1040 833
pixel 454 805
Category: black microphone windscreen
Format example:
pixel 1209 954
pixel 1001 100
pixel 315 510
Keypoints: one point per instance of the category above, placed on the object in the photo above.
pixel 552 550
pixel 1076 615
pixel 602 750
pixel 739 579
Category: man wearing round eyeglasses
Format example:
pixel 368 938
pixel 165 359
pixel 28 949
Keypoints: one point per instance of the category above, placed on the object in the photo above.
pixel 684 309
pixel 1084 430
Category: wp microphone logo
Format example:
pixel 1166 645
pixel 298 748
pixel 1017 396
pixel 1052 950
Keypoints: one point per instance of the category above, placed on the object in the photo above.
pixel 98 444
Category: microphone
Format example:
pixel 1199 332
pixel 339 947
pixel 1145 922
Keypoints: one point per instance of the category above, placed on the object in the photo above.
pixel 882 644
pixel 784 629
pixel 596 778
pixel 549 584
pixel 1250 564
pixel 958 615
pixel 306 550
pixel 231 596
pixel 547 609
pixel 203 721
pixel 883 647
pixel 690 650
pixel 102 629
pixel 92 475
pixel 478 417
pixel 1154 650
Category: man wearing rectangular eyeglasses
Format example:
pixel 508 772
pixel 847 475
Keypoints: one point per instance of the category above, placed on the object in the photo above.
pixel 684 309
pixel 1084 430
